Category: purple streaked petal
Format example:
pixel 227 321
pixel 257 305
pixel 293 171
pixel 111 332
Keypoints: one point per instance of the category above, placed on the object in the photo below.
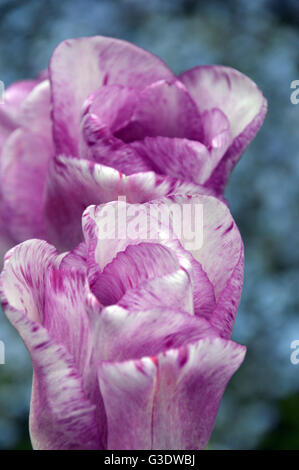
pixel 179 158
pixel 93 62
pixel 103 248
pixel 216 134
pixel 64 315
pixel 105 112
pixel 227 89
pixel 122 334
pixel 113 105
pixel 24 274
pixel 61 416
pixel 14 97
pixel 34 113
pixel 131 384
pixel 240 100
pixel 184 158
pixel 203 291
pixel 76 258
pixel 74 184
pixel 129 269
pixel 110 228
pixel 191 290
pixel 223 316
pixel 164 108
pixel 163 119
pixel 100 145
pixel 187 227
pixel 23 171
pixel 221 245
pixel 220 257
pixel 170 291
pixel 24 165
pixel 192 382
pixel 147 186
pixel 172 399
pixel 48 306
pixel 69 313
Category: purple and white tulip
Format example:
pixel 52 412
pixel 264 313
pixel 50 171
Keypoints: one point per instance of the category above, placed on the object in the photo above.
pixel 111 119
pixel 129 338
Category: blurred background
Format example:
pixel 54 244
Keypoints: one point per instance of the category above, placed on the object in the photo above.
pixel 260 409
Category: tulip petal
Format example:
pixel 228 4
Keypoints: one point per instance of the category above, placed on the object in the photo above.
pixel 64 315
pixel 69 314
pixel 100 145
pixel 49 307
pixel 185 159
pixel 93 62
pixel 105 112
pixel 129 269
pixel 171 291
pixel 171 401
pixel 122 334
pixel 61 416
pixel 35 110
pixel 76 258
pixel 75 184
pixel 148 186
pixel 14 95
pixel 155 129
pixel 113 105
pixel 36 297
pixel 223 316
pixel 23 276
pixel 164 108
pixel 179 158
pixel 216 134
pixel 220 255
pixel 109 229
pixel 24 164
pixel 128 390
pixel 191 383
pixel 221 245
pixel 182 157
pixel 203 291
pixel 23 171
pixel 240 100
pixel 72 185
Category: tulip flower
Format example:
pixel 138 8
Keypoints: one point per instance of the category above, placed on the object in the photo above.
pixel 129 333
pixel 111 119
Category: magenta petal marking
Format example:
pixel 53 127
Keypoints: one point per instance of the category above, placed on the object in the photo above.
pixel 93 62
pixel 239 99
pixel 171 399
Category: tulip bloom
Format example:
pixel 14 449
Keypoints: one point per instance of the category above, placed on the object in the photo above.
pixel 129 336
pixel 111 119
